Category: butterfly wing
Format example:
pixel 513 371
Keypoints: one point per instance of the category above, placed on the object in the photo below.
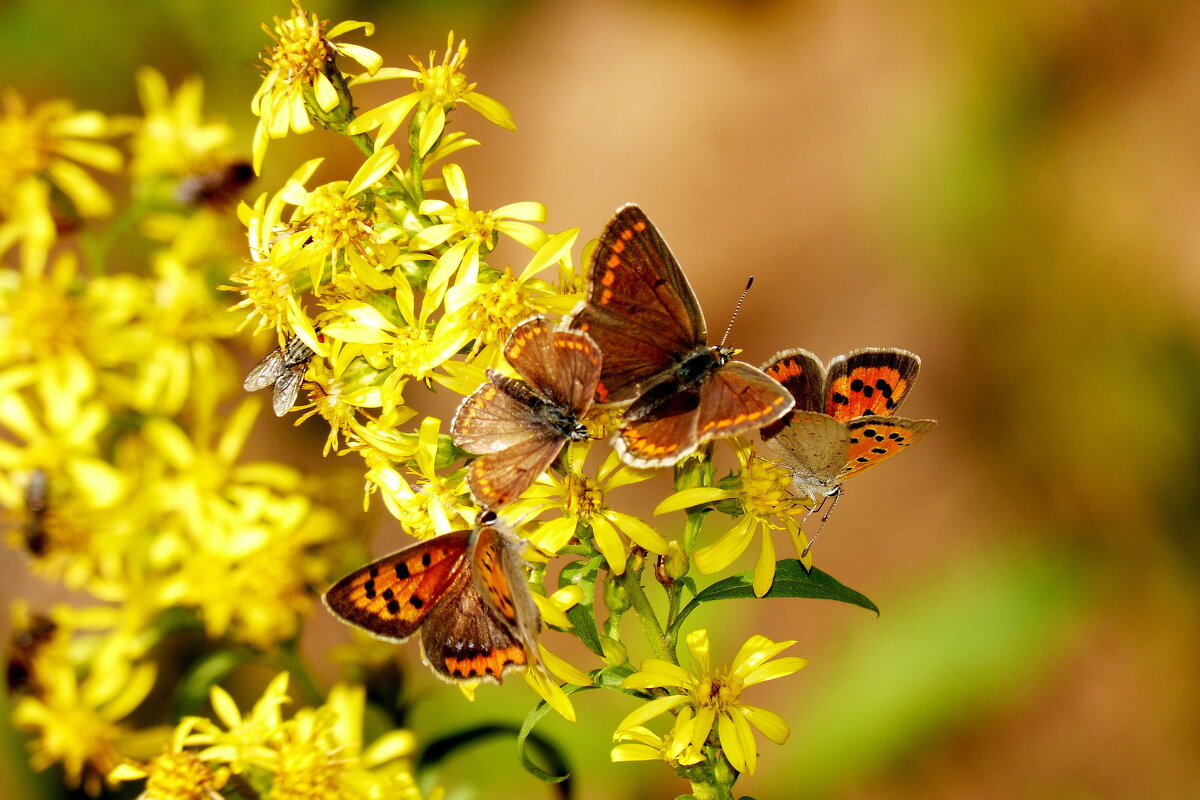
pixel 391 598
pixel 640 309
pixel 497 569
pixel 813 447
pixel 803 375
pixel 872 381
pixel 287 388
pixel 875 439
pixel 738 398
pixel 498 415
pixel 663 436
pixel 497 478
pixel 564 366
pixel 491 625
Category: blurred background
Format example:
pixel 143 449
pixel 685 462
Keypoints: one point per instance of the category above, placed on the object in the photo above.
pixel 1009 189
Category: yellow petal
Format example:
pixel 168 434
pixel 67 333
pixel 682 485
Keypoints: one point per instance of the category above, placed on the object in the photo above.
pixel 764 568
pixel 771 724
pixel 686 498
pixel 723 552
pixel 651 709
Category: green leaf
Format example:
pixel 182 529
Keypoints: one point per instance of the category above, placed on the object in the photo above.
pixel 442 748
pixel 583 614
pixel 192 693
pixel 791 580
pixel 558 762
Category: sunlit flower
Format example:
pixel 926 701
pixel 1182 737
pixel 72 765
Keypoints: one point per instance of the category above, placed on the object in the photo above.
pixel 641 744
pixel 490 309
pixel 471 233
pixel 177 153
pixel 579 501
pixel 437 89
pixel 436 504
pixel 764 504
pixel 301 71
pixel 713 696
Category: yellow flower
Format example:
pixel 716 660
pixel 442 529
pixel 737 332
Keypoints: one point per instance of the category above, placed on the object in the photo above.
pixel 490 309
pixel 472 232
pixel 300 74
pixel 77 722
pixel 47 144
pixel 761 490
pixel 713 696
pixel 580 502
pixel 174 775
pixel 437 504
pixel 436 89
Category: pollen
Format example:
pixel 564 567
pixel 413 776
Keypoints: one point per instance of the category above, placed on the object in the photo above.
pixel 181 776
pixel 301 50
pixel 583 495
pixel 337 222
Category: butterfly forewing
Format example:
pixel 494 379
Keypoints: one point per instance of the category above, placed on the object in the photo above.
pixel 803 375
pixel 393 596
pixel 640 309
pixel 497 570
pixel 872 381
pixel 563 366
pixel 875 439
pixel 665 436
pixel 497 416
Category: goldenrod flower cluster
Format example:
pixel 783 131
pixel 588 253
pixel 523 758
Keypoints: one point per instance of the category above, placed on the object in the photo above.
pixel 124 461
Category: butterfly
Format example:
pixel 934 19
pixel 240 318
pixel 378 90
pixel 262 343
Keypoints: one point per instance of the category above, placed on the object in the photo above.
pixel 843 422
pixel 465 591
pixel 680 390
pixel 520 426
pixel 284 367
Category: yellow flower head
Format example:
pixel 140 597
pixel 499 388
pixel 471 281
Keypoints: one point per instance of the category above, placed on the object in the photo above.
pixel 760 491
pixel 300 73
pixel 712 697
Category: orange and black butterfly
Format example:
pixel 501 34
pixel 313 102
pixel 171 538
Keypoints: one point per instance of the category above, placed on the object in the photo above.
pixel 283 368
pixel 844 419
pixel 520 426
pixel 465 591
pixel 681 391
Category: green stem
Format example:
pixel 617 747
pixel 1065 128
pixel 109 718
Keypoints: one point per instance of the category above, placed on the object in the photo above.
pixel 650 624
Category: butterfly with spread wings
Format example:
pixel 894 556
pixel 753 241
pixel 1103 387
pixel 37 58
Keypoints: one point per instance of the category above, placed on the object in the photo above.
pixel 680 390
pixel 519 427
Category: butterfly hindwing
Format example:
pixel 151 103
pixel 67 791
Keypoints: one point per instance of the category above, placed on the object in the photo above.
pixel 393 596
pixel 497 570
pixel 497 478
pixel 736 399
pixel 813 447
pixel 874 439
pixel 871 381
pixel 464 640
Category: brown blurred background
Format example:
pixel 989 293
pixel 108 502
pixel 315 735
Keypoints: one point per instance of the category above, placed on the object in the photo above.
pixel 1009 189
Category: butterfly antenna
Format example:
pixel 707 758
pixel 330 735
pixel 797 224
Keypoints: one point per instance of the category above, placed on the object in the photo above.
pixel 736 309
pixel 824 519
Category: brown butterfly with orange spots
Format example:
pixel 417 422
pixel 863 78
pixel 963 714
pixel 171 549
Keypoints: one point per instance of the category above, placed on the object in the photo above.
pixel 520 426
pixel 681 391
pixel 465 591
pixel 843 422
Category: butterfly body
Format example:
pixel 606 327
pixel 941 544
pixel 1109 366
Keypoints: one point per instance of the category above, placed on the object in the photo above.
pixel 464 591
pixel 642 313
pixel 519 427
pixel 843 421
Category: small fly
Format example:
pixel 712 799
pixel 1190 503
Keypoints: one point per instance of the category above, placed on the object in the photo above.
pixel 284 367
